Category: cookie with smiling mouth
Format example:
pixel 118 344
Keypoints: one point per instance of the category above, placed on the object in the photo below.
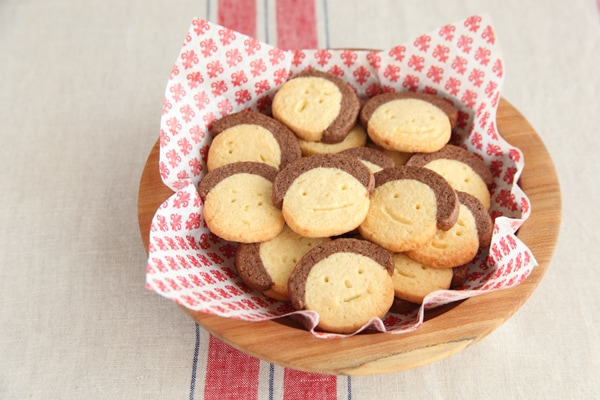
pixel 317 106
pixel 323 195
pixel 408 206
pixel 346 281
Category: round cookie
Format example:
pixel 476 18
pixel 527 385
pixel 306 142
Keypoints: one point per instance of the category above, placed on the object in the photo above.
pixel 408 206
pixel 375 160
pixel 238 203
pixel 414 280
pixel 267 266
pixel 323 195
pixel 462 169
pixel 251 136
pixel 458 245
pixel 409 122
pixel 317 106
pixel 357 137
pixel 346 281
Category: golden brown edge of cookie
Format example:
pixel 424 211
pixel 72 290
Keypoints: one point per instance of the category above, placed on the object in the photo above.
pixel 483 220
pixel 453 152
pixel 349 108
pixel 287 141
pixel 250 267
pixel 446 198
pixel 288 175
pixel 212 178
pixel 297 280
pixel 371 155
pixel 374 102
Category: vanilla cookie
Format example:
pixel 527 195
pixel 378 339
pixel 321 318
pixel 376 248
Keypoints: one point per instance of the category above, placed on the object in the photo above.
pixel 238 202
pixel 462 169
pixel 375 160
pixel 414 280
pixel 409 122
pixel 346 281
pixel 407 207
pixel 459 244
pixel 317 106
pixel 267 266
pixel 251 136
pixel 357 137
pixel 323 195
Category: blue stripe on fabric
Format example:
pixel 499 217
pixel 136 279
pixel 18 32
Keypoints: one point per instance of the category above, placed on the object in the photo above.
pixel 271 381
pixel 349 388
pixel 195 363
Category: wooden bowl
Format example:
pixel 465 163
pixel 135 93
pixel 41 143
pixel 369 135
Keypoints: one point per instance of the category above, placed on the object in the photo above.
pixel 446 331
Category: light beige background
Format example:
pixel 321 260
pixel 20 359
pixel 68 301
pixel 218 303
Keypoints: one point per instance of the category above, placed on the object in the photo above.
pixel 81 89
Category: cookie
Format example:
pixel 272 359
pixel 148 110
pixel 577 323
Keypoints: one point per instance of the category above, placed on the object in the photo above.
pixel 323 195
pixel 267 266
pixel 459 244
pixel 317 106
pixel 251 136
pixel 462 169
pixel 373 159
pixel 407 207
pixel 460 275
pixel 238 203
pixel 414 280
pixel 408 122
pixel 346 281
pixel 357 137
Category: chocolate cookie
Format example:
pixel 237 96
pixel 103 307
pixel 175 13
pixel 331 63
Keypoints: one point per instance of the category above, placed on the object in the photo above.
pixel 374 159
pixel 346 281
pixel 251 136
pixel 323 195
pixel 317 106
pixel 238 204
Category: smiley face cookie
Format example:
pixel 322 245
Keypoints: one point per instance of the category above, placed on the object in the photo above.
pixel 251 136
pixel 316 106
pixel 459 244
pixel 462 169
pixel 408 206
pixel 346 281
pixel 267 266
pixel 414 280
pixel 238 204
pixel 323 195
pixel 408 122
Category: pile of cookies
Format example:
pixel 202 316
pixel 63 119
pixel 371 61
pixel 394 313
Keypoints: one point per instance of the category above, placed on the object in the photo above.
pixel 346 207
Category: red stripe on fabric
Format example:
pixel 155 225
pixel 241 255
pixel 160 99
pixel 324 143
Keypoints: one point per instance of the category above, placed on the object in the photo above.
pixel 296 24
pixel 299 385
pixel 230 374
pixel 238 15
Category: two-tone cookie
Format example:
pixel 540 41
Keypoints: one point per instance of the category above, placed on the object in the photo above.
pixel 317 106
pixel 409 122
pixel 267 266
pixel 408 206
pixel 459 244
pixel 346 281
pixel 323 195
pixel 373 159
pixel 357 137
pixel 238 202
pixel 251 136
pixel 461 168
pixel 414 280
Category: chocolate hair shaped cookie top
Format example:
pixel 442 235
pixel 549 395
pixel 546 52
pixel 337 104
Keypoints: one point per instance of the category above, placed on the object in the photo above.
pixel 251 136
pixel 317 106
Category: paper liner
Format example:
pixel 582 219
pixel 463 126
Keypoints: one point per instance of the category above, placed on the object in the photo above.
pixel 219 71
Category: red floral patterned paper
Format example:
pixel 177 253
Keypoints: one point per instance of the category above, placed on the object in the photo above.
pixel 220 71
